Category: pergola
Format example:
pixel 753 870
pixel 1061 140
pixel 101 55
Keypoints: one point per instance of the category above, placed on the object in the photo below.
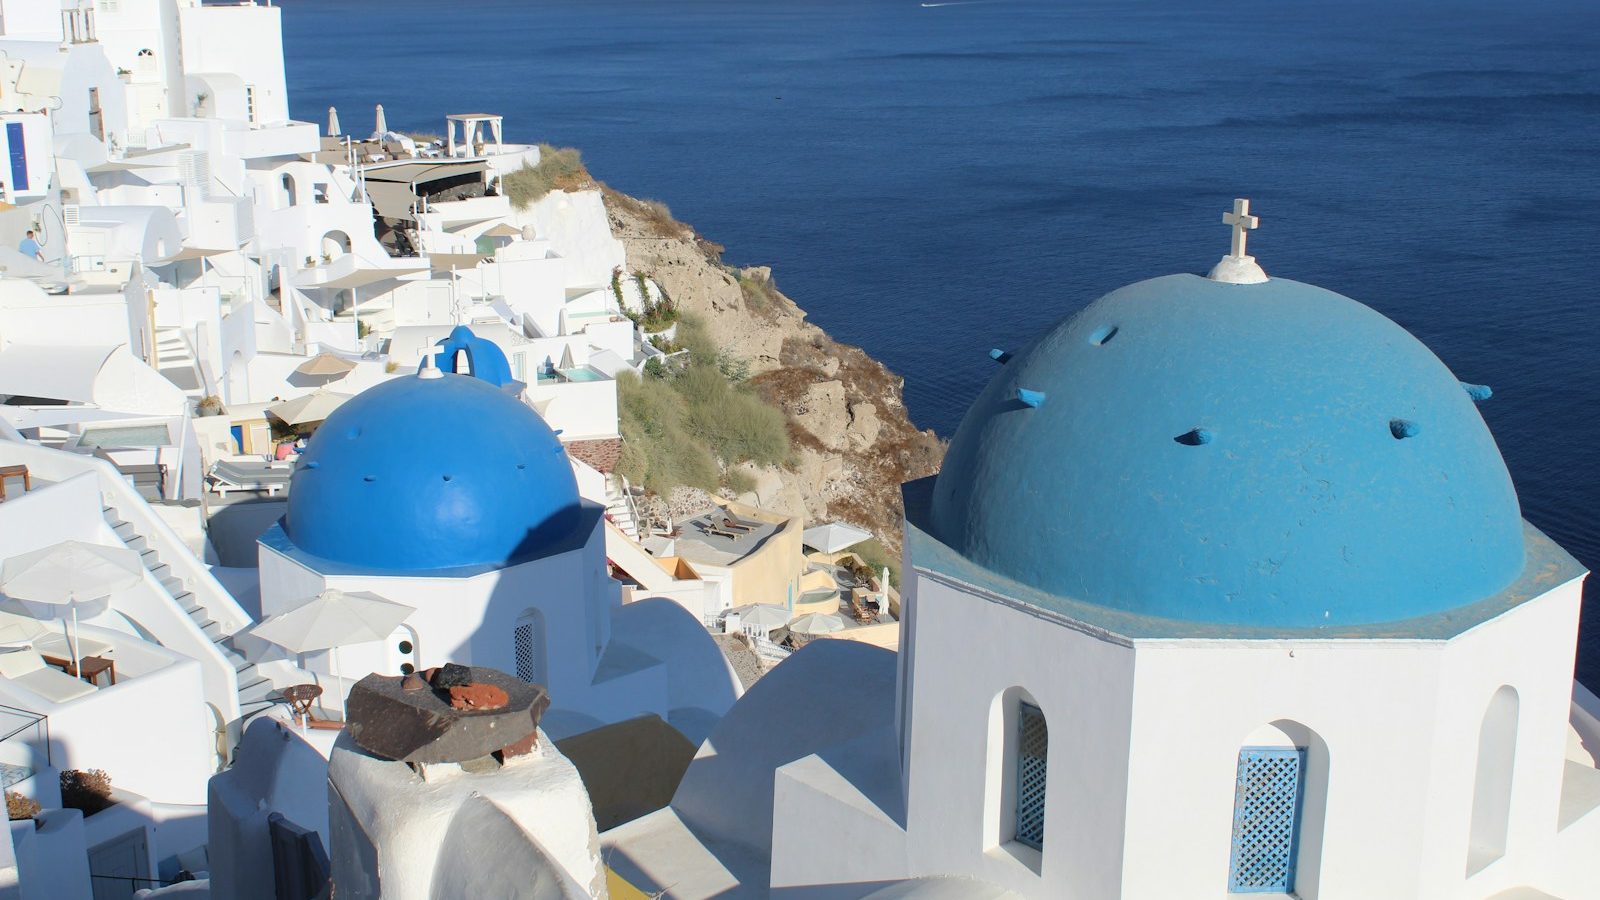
pixel 470 123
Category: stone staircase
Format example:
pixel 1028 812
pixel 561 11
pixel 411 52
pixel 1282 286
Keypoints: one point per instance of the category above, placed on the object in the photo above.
pixel 177 361
pixel 254 686
pixel 619 505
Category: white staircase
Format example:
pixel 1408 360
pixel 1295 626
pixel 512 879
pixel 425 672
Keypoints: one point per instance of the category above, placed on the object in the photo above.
pixel 177 361
pixel 619 505
pixel 254 687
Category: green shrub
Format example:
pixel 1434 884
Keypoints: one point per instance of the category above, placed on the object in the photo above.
pixel 758 292
pixel 680 426
pixel 559 168
pixel 873 553
pixel 739 481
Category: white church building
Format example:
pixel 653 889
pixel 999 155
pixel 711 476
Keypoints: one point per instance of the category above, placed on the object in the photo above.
pixel 1223 588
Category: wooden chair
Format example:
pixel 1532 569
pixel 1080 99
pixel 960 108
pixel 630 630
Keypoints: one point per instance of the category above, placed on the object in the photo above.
pixel 15 472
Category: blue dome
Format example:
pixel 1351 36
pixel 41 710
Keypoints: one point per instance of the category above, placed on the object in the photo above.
pixel 485 359
pixel 418 474
pixel 1271 454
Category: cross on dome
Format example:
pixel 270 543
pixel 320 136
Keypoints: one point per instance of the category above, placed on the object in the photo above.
pixel 1243 223
pixel 1239 267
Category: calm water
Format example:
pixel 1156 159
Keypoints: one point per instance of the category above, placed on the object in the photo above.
pixel 933 182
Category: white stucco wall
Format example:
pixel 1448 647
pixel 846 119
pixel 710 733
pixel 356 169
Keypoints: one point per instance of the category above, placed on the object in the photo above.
pixel 576 224
pixel 400 836
pixel 965 655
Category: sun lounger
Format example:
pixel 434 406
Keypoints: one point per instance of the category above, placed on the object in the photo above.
pixel 55 644
pixel 735 525
pixel 249 475
pixel 27 669
pixel 730 535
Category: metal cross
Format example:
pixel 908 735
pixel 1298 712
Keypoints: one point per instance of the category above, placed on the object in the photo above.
pixel 1242 223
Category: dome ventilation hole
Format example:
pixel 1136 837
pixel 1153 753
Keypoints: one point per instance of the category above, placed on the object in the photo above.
pixel 309 464
pixel 1194 437
pixel 522 466
pixel 1103 335
pixel 1403 428
pixel 447 478
pixel 369 478
pixel 354 432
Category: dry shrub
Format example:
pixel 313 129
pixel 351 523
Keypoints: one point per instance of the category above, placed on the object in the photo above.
pixel 559 169
pixel 20 807
pixel 88 790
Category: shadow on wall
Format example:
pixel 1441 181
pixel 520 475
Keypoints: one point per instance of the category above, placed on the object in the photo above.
pixel 234 529
pixel 630 768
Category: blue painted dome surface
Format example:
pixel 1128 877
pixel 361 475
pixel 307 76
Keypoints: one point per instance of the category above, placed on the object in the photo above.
pixel 485 358
pixel 1272 454
pixel 419 474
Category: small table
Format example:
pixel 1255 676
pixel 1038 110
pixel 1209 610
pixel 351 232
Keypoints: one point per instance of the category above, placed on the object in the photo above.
pixel 15 472
pixel 90 668
pixel 300 697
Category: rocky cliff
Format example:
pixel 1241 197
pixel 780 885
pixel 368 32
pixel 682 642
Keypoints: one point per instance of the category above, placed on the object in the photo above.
pixel 853 442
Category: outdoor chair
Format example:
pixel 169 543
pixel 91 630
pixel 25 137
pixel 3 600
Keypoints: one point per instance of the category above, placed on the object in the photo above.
pixel 730 535
pixel 735 525
pixel 27 668
pixel 249 475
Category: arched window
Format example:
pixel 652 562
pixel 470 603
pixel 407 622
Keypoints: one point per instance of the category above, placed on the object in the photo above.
pixel 1033 758
pixel 1279 798
pixel 287 183
pixel 1491 793
pixel 1017 765
pixel 528 648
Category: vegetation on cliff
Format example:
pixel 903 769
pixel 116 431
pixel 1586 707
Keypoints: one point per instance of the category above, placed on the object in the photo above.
pixel 559 169
pixel 691 422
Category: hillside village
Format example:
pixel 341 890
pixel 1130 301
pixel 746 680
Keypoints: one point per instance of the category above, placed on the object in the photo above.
pixel 194 283
pixel 411 515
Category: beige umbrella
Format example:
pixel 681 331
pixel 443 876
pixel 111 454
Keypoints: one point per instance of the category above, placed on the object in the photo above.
pixel 325 364
pixel 333 123
pixel 816 623
pixel 313 407
pixel 333 618
pixel 382 123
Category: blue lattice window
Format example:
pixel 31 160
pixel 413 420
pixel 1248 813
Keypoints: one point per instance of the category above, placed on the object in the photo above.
pixel 1033 756
pixel 1266 819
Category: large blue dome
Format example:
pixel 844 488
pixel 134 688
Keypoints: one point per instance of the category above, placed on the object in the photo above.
pixel 1268 454
pixel 431 473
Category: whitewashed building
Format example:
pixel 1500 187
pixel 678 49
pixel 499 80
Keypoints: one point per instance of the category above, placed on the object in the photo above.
pixel 1223 589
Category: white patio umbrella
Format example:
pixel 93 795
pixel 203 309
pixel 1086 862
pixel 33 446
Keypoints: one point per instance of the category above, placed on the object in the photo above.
pixel 833 537
pixel 333 122
pixel 330 619
pixel 312 407
pixel 72 574
pixel 762 615
pixel 382 123
pixel 816 623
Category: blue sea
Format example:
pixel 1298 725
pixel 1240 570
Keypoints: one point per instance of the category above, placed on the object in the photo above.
pixel 932 180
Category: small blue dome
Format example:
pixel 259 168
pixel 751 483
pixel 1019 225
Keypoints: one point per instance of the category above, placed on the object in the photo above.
pixel 1271 454
pixel 485 359
pixel 418 474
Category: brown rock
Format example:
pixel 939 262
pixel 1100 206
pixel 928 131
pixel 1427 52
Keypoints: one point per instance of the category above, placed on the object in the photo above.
pixel 424 727
pixel 520 748
pixel 478 696
pixel 414 682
